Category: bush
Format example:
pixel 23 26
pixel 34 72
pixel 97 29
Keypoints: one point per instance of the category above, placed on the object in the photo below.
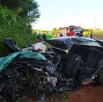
pixel 11 25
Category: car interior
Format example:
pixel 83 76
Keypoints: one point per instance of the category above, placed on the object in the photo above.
pixel 81 62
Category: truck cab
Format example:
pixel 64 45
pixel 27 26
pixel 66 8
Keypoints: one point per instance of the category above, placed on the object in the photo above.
pixel 71 30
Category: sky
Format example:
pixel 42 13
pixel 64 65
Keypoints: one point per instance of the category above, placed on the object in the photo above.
pixel 62 13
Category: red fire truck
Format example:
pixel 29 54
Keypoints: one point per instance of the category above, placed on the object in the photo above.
pixel 70 31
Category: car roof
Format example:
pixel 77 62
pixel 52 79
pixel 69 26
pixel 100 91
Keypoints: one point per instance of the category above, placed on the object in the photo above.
pixel 84 39
pixel 76 40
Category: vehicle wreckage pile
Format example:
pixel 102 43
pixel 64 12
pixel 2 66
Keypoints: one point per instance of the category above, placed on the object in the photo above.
pixel 64 67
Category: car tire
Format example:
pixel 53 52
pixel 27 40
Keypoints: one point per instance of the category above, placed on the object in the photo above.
pixel 100 77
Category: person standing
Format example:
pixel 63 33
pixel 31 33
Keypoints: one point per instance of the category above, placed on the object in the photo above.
pixel 81 33
pixel 44 36
pixel 61 35
pixel 91 34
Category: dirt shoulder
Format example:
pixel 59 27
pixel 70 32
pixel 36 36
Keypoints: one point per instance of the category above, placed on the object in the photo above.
pixel 87 93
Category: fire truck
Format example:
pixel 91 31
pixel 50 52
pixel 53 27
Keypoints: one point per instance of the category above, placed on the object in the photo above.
pixel 70 30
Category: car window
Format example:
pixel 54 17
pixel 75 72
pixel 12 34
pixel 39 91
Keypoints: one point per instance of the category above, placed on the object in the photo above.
pixel 77 29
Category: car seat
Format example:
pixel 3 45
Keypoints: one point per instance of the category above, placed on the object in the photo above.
pixel 93 59
pixel 90 66
pixel 72 66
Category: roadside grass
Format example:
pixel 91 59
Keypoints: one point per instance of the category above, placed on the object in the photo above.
pixel 96 34
pixel 12 26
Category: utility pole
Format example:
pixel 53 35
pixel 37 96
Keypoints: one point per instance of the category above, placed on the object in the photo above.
pixel 95 22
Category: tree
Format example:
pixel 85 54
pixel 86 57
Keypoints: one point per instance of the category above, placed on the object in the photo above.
pixel 26 9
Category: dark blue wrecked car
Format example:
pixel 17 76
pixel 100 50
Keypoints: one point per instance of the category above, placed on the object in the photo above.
pixel 69 63
pixel 81 58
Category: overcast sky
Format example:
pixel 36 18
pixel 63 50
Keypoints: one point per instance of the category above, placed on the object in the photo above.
pixel 60 13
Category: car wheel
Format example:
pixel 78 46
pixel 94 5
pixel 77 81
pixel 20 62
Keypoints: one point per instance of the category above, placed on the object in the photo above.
pixel 100 77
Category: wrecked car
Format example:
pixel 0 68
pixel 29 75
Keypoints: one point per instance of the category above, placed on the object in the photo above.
pixel 81 58
pixel 69 63
pixel 24 73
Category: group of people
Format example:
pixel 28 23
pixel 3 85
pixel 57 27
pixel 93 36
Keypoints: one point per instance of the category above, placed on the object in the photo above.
pixel 43 37
pixel 39 37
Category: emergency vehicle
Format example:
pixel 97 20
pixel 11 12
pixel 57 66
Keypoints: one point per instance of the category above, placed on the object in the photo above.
pixel 70 30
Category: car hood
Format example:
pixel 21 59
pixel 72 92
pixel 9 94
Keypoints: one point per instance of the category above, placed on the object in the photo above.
pixel 5 61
